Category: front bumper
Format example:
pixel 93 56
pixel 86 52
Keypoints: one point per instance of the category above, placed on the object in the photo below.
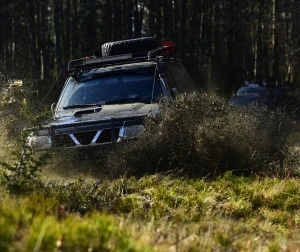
pixel 87 134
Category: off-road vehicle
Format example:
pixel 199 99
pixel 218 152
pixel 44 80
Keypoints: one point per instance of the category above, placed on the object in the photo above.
pixel 108 95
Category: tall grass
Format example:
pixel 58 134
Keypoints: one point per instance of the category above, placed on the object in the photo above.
pixel 155 213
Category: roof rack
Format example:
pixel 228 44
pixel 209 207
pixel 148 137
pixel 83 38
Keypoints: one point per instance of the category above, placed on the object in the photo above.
pixel 256 83
pixel 163 53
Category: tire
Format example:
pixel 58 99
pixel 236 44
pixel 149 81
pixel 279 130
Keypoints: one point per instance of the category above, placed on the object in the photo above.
pixel 128 46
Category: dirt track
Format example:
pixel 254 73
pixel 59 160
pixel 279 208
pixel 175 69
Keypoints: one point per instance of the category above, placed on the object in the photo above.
pixel 66 169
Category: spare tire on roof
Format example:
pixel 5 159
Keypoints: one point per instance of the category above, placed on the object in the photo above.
pixel 128 46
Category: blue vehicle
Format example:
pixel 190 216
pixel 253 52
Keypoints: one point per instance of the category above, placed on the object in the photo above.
pixel 252 93
pixel 244 100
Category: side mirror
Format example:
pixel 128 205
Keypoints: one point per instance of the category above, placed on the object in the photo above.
pixel 53 108
pixel 174 91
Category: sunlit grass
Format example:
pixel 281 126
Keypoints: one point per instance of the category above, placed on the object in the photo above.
pixel 154 213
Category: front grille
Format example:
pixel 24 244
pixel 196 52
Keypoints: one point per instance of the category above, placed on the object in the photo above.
pixel 64 140
pixel 85 138
pixel 105 136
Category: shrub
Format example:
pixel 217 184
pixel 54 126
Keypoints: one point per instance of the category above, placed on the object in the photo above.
pixel 20 168
pixel 200 135
pixel 24 173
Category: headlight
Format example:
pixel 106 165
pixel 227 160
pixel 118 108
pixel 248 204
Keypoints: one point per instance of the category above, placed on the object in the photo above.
pixel 39 142
pixel 133 131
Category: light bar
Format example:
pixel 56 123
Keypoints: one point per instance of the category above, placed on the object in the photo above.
pixel 107 59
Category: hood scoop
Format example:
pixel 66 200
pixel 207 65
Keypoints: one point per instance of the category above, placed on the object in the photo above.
pixel 87 111
pixel 137 107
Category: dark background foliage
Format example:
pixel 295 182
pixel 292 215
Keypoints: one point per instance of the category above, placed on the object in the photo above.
pixel 227 41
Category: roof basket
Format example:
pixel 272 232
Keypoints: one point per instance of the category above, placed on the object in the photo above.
pixel 259 83
pixel 88 62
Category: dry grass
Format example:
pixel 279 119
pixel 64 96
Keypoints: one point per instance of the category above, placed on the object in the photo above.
pixel 155 213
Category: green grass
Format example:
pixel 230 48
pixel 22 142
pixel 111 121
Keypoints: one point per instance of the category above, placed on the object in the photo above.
pixel 154 213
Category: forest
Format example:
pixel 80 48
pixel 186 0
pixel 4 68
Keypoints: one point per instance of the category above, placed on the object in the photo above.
pixel 219 41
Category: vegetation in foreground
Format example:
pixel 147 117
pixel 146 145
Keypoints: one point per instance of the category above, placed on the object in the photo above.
pixel 178 188
pixel 154 213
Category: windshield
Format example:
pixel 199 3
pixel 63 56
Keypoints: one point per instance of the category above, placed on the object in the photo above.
pixel 125 87
pixel 252 90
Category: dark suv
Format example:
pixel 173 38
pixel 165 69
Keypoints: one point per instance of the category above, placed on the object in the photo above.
pixel 108 95
pixel 254 93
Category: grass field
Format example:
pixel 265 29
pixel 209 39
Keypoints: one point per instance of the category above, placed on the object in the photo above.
pixel 154 213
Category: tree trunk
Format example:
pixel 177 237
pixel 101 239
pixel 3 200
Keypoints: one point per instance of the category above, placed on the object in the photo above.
pixel 108 22
pixel 31 10
pixel 183 17
pixel 151 18
pixel 276 70
pixel 67 41
pixel 117 20
pixel 129 19
pixel 176 31
pixel 168 19
pixel 138 15
pixel 159 32
pixel 57 30
pixel 91 26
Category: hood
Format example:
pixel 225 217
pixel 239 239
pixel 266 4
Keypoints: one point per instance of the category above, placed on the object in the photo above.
pixel 105 112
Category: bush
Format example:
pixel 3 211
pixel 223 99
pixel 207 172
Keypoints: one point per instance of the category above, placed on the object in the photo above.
pixel 19 168
pixel 23 174
pixel 200 135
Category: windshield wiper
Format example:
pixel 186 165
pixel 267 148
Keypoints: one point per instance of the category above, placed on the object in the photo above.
pixel 126 100
pixel 84 105
pixel 118 101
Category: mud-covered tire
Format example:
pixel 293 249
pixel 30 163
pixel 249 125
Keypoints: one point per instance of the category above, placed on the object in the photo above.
pixel 128 46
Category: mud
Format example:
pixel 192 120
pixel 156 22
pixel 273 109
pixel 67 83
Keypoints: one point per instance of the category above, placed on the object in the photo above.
pixel 69 168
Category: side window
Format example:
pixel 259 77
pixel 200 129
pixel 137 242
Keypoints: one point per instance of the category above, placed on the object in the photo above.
pixel 177 77
pixel 171 83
